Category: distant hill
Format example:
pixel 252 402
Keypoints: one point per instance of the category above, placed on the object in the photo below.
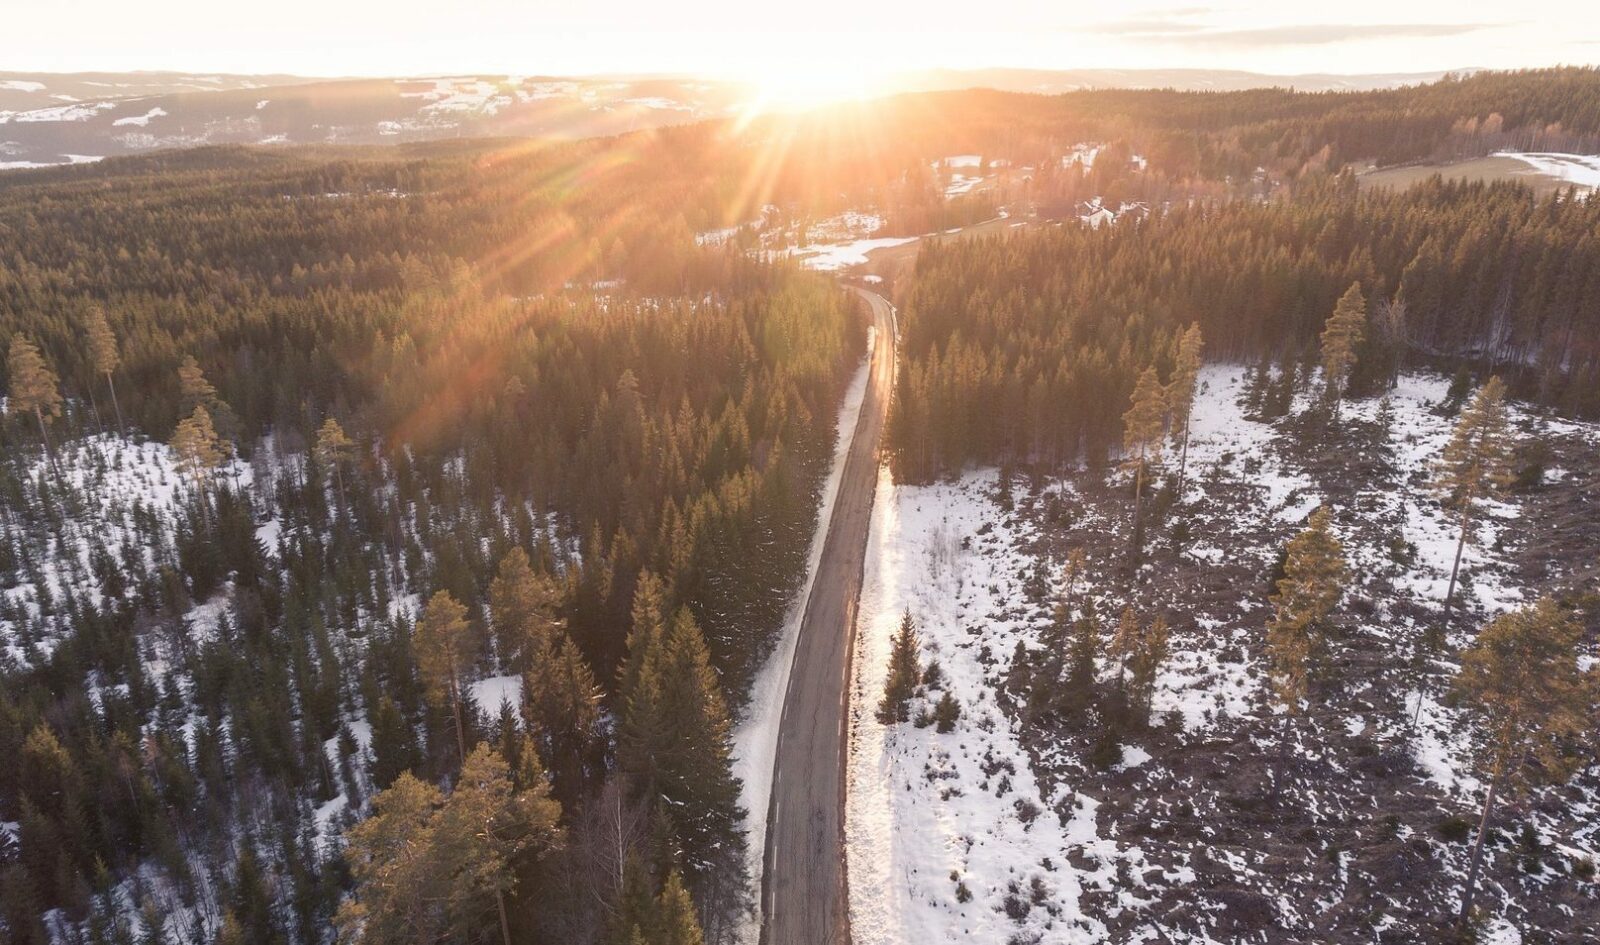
pixel 1050 81
pixel 48 118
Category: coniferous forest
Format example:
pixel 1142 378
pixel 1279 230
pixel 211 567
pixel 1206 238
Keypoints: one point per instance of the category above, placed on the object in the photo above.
pixel 389 538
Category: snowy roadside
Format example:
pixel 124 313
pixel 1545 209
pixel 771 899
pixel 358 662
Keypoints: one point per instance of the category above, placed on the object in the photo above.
pixel 942 829
pixel 755 739
pixel 997 830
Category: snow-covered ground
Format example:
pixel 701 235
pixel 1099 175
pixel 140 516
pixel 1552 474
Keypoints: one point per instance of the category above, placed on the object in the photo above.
pixel 113 480
pixel 831 257
pixel 932 817
pixel 1580 169
pixel 993 813
pixel 489 694
pixel 755 739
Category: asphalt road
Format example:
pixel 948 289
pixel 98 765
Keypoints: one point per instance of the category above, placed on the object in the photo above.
pixel 803 896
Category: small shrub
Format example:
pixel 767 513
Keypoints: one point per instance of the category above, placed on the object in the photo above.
pixel 1027 811
pixel 1454 829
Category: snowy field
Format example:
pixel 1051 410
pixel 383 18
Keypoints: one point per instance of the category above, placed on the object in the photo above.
pixel 930 814
pixel 1580 169
pixel 993 833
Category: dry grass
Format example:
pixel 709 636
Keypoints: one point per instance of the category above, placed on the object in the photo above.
pixel 1473 169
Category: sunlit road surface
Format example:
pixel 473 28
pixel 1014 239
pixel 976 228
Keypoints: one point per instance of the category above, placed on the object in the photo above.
pixel 803 896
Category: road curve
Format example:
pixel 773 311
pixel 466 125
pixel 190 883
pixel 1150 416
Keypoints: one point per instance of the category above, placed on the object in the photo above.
pixel 804 900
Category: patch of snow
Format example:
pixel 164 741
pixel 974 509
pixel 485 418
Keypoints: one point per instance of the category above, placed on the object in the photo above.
pixel 1580 169
pixel 73 112
pixel 268 533
pixel 921 813
pixel 835 256
pixel 659 104
pixel 491 693
pixel 141 120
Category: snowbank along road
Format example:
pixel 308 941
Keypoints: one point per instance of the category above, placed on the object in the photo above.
pixel 803 896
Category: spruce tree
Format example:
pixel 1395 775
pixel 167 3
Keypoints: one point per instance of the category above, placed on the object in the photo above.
pixel 1148 657
pixel 698 761
pixel 905 670
pixel 675 922
pixel 561 703
pixel 1312 584
pixel 1475 462
pixel 1124 643
pixel 1341 340
pixel 648 624
pixel 1521 683
pixel 1082 657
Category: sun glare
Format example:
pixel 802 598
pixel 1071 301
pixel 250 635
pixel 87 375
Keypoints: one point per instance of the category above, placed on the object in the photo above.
pixel 795 87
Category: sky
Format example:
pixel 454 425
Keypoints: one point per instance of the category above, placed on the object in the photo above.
pixel 854 40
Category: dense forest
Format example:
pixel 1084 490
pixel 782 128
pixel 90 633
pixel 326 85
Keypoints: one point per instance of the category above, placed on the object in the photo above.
pixel 1027 348
pixel 303 447
pixel 609 492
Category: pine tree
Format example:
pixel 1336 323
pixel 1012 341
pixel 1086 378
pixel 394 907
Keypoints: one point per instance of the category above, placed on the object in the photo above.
pixel 193 387
pixel 486 834
pixel 1313 581
pixel 1181 392
pixel 445 654
pixel 1520 680
pixel 399 893
pixel 905 670
pixel 524 606
pixel 334 449
pixel 1341 339
pixel 1475 462
pixel 104 354
pixel 1142 430
pixel 34 387
pixel 198 448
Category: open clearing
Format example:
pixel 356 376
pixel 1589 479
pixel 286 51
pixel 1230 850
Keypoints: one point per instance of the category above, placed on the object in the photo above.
pixel 1544 177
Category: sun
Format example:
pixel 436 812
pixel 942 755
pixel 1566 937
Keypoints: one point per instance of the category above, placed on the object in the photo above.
pixel 801 86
